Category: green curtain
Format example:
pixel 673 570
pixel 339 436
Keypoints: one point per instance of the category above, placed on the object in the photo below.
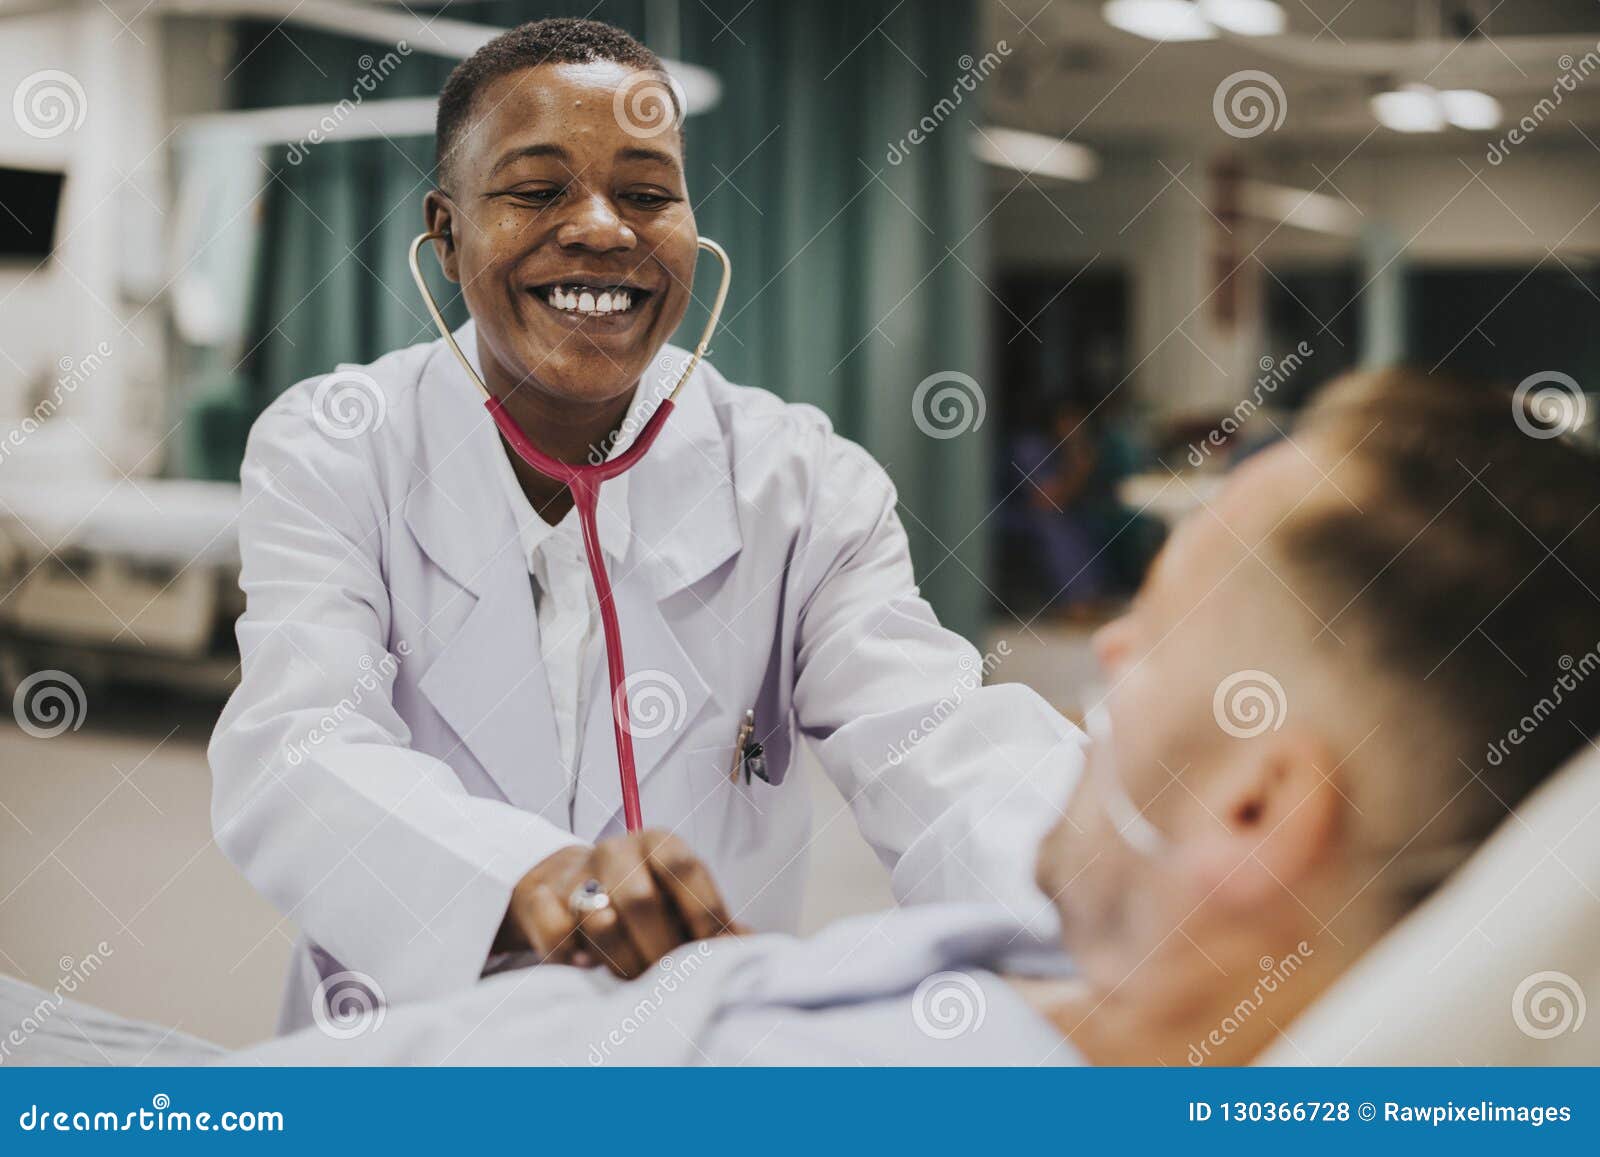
pixel 854 278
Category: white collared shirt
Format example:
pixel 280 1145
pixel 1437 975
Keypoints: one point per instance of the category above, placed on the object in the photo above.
pixel 571 639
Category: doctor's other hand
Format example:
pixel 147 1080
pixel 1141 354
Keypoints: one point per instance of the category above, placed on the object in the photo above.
pixel 661 896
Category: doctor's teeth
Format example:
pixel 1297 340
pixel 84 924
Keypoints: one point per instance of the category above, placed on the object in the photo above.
pixel 579 299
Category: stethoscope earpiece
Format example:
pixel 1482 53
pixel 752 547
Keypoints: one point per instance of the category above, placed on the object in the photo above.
pixel 700 348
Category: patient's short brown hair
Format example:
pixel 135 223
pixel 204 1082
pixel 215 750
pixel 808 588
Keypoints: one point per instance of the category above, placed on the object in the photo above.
pixel 1471 571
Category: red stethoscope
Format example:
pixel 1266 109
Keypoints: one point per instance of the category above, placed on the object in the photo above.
pixel 583 482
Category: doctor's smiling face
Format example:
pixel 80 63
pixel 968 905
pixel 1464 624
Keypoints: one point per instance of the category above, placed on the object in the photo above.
pixel 570 231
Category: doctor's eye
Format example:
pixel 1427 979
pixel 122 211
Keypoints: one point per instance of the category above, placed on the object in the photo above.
pixel 538 197
pixel 650 199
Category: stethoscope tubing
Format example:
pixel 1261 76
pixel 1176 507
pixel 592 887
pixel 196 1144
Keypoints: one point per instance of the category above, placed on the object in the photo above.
pixel 582 481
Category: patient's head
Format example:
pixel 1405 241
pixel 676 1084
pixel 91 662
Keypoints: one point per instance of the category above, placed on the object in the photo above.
pixel 1335 682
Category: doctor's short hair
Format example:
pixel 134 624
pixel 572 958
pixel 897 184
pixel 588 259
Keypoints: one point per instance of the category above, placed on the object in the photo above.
pixel 558 40
pixel 1470 575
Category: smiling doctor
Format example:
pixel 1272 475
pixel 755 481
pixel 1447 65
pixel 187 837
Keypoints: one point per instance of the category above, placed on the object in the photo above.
pixel 417 767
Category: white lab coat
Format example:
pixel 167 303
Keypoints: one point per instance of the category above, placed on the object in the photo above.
pixel 388 768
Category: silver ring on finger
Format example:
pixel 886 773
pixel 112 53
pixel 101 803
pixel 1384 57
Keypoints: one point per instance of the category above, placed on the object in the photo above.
pixel 588 898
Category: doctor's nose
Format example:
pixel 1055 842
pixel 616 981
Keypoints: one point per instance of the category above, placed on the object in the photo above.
pixel 594 224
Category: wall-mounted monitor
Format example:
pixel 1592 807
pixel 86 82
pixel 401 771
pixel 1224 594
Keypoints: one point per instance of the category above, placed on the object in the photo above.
pixel 30 201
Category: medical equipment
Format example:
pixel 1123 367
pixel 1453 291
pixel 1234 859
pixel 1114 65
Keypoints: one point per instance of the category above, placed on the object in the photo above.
pixel 1126 817
pixel 583 483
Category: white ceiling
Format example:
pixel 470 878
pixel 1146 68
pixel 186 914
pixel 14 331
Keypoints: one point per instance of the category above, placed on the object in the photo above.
pixel 1071 74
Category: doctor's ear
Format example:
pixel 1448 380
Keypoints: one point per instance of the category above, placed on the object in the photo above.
pixel 439 215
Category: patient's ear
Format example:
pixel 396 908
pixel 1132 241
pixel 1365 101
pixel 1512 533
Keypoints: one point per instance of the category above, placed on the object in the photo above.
pixel 1279 810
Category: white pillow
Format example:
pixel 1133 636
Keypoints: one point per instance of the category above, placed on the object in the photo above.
pixel 1497 967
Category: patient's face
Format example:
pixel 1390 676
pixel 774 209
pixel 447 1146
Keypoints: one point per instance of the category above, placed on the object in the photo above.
pixel 1182 667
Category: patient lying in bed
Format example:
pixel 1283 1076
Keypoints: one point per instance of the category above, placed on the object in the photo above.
pixel 1333 686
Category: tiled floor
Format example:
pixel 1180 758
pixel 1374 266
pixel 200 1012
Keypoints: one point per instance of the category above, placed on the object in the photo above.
pixel 105 837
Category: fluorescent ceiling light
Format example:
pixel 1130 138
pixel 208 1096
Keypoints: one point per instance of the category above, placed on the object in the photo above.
pixel 1301 208
pixel 1035 154
pixel 1158 19
pixel 1246 17
pixel 1467 108
pixel 1412 108
pixel 1419 108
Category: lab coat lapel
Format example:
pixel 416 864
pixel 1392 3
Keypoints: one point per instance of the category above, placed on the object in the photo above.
pixel 488 679
pixel 684 519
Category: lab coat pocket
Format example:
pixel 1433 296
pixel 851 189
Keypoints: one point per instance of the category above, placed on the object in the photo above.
pixel 730 810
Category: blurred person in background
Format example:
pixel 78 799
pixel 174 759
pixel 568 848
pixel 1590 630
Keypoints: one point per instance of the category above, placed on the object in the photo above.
pixel 1076 535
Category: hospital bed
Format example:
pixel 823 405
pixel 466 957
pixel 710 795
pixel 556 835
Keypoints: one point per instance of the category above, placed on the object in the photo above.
pixel 135 579
pixel 1495 969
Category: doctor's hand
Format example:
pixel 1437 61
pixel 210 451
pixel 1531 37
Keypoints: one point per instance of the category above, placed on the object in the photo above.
pixel 661 896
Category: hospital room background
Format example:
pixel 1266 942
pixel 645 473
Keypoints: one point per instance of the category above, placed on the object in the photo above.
pixel 1056 263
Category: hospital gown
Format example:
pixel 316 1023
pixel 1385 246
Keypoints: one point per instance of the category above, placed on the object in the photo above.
pixel 915 986
pixel 39 1027
pixel 912 986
